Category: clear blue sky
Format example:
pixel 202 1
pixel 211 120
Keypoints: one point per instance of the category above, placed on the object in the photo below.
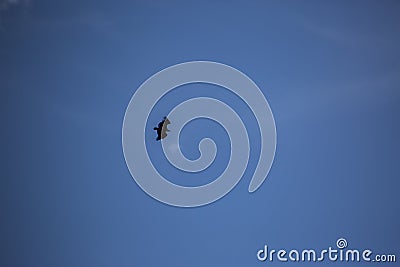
pixel 329 69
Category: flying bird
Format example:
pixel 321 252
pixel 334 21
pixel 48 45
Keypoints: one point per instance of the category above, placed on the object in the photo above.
pixel 162 129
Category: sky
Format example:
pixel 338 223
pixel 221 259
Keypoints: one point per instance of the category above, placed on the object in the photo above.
pixel 330 73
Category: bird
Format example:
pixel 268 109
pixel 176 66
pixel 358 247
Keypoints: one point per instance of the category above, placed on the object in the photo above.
pixel 162 129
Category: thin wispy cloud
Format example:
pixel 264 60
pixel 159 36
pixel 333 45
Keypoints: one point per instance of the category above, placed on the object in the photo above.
pixel 317 101
pixel 6 4
pixel 12 12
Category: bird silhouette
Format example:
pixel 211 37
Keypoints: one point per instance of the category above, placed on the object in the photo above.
pixel 162 129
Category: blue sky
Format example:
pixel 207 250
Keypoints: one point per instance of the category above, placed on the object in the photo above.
pixel 330 72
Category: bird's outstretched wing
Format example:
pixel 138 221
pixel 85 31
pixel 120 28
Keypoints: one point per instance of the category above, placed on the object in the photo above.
pixel 166 121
